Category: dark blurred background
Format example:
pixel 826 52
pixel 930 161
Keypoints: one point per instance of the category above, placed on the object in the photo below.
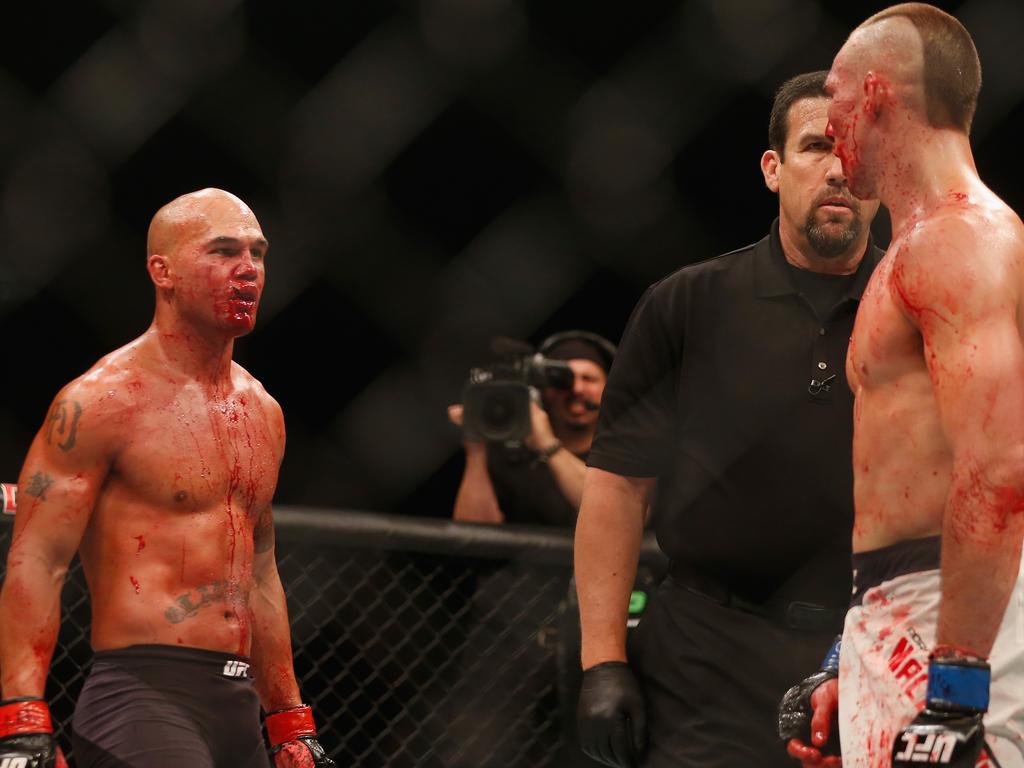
pixel 430 174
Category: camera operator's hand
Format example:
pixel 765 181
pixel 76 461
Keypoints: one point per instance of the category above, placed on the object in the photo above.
pixel 542 436
pixel 455 417
pixel 455 414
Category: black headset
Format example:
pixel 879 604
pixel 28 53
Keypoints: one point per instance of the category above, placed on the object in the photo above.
pixel 605 348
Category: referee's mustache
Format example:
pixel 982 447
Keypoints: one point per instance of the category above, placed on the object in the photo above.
pixel 838 197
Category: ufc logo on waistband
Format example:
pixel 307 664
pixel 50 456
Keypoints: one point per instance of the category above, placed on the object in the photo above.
pixel 231 669
pixel 934 748
pixel 14 762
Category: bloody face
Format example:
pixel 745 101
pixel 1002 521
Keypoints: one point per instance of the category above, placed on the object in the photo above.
pixel 220 270
pixel 846 119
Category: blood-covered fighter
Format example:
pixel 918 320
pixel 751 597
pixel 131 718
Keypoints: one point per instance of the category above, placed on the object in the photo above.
pixel 932 663
pixel 158 466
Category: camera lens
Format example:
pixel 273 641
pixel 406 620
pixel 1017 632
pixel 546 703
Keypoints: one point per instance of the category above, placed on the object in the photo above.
pixel 498 412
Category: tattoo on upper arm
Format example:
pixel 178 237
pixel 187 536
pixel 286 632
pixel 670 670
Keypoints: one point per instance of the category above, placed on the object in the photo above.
pixel 62 424
pixel 37 485
pixel 263 533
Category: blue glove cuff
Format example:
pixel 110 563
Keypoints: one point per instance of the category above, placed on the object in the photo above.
pixel 960 686
pixel 831 661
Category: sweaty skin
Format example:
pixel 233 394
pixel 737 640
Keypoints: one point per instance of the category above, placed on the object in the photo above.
pixel 936 360
pixel 197 494
pixel 924 290
pixel 158 465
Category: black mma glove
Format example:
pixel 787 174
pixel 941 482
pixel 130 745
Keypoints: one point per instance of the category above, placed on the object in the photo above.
pixel 796 712
pixel 293 743
pixel 948 731
pixel 26 735
pixel 611 719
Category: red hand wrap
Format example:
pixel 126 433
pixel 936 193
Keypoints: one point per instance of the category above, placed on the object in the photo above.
pixel 288 724
pixel 22 717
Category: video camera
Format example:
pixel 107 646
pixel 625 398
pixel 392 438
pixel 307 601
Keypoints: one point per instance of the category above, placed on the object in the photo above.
pixel 496 398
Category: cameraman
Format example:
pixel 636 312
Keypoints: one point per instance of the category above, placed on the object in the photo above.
pixel 541 479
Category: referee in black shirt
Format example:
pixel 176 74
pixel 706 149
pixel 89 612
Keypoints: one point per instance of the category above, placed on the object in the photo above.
pixel 727 410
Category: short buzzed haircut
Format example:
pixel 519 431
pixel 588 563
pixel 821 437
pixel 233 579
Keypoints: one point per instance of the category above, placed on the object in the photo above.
pixel 810 85
pixel 952 70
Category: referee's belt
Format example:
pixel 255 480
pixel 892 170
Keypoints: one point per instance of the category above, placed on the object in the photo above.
pixel 792 614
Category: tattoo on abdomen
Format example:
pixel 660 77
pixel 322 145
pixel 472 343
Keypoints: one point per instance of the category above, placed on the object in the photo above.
pixel 185 608
pixel 37 485
pixel 63 422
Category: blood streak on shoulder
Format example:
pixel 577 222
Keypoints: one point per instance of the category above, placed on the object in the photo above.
pixel 915 305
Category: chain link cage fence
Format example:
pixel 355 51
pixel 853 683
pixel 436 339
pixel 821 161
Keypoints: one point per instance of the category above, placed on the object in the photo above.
pixel 417 642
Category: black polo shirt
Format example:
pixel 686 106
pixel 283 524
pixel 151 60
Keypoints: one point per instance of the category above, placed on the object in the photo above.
pixel 711 392
pixel 526 488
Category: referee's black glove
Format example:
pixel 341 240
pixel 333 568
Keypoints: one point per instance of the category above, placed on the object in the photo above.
pixel 611 719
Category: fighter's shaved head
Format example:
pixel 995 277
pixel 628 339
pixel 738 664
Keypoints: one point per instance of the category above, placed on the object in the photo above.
pixel 185 216
pixel 891 49
pixel 922 46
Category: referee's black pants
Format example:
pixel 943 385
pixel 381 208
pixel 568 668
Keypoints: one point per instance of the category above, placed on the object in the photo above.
pixel 712 677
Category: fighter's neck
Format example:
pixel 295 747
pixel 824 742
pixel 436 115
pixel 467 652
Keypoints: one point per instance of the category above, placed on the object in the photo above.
pixel 191 354
pixel 932 172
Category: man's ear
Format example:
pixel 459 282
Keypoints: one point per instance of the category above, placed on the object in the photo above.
pixel 770 162
pixel 159 270
pixel 876 94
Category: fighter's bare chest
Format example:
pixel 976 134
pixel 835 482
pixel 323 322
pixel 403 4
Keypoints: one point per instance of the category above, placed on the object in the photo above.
pixel 884 342
pixel 193 454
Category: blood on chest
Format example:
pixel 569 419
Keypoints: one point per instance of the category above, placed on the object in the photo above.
pixel 885 344
pixel 222 457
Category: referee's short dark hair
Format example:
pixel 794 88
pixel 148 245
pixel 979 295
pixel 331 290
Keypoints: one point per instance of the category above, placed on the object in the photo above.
pixel 810 85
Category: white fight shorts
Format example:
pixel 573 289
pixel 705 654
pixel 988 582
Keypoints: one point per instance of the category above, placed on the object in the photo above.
pixel 883 665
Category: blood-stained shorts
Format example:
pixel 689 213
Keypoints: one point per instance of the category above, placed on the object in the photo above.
pixel 159 706
pixel 883 666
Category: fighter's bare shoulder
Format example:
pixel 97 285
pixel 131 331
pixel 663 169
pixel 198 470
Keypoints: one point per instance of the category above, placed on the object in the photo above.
pixel 960 261
pixel 93 411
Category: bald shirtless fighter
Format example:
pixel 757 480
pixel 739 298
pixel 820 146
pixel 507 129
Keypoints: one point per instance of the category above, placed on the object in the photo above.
pixel 158 466
pixel 931 667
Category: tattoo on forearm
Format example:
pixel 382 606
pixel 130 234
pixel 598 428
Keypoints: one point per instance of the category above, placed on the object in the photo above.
pixel 62 424
pixel 37 485
pixel 184 606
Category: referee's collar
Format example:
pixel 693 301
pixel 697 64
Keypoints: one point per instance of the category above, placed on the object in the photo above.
pixel 772 273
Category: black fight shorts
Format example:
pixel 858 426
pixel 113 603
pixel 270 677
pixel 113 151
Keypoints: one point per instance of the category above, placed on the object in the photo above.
pixel 160 706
